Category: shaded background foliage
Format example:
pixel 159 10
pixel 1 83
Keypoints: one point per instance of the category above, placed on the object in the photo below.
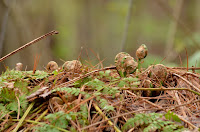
pixel 87 26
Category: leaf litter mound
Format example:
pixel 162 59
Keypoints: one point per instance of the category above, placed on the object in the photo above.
pixel 124 97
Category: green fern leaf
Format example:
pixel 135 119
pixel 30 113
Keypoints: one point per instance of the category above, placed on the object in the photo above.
pixel 23 102
pixel 73 91
pixel 150 122
pixel 146 121
pixel 59 119
pixel 170 115
pixel 12 106
pixel 128 124
pixel 45 128
pixel 170 128
pixel 3 111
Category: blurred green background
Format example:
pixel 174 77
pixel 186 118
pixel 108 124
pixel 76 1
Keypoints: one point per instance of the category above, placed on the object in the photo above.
pixel 91 29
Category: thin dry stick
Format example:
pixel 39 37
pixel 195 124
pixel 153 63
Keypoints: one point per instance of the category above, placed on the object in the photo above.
pixel 190 102
pixel 180 60
pixel 196 88
pixel 28 44
pixel 101 62
pixel 36 61
pixel 18 102
pixel 105 117
pixel 79 97
pixel 118 113
pixel 74 124
pixel 159 89
pixel 83 76
pixel 80 104
pixel 179 103
pixel 187 58
pixel 89 108
pixel 184 68
pixel 97 56
pixel 192 74
pixel 37 120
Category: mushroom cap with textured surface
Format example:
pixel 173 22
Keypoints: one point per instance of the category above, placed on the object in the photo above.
pixel 51 66
pixel 72 66
pixel 142 52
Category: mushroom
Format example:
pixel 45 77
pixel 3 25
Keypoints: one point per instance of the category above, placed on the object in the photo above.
pixel 19 66
pixel 72 66
pixel 147 84
pixel 51 66
pixel 125 64
pixel 142 52
pixel 158 72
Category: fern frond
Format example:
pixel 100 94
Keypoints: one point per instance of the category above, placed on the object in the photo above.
pixel 7 95
pixel 23 102
pixel 171 116
pixel 73 91
pixel 3 111
pixel 104 105
pixel 129 82
pixel 150 122
pixel 98 85
pixel 60 119
pixel 83 115
pixel 140 120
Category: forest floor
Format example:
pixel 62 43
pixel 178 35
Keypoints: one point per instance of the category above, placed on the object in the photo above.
pixel 93 99
pixel 123 97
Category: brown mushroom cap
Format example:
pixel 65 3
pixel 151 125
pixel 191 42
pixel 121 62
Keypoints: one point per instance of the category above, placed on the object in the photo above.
pixel 142 52
pixel 130 64
pixel 158 72
pixel 147 84
pixel 51 66
pixel 125 64
pixel 19 66
pixel 72 66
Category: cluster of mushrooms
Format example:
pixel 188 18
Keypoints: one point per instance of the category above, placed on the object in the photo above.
pixel 124 62
pixel 125 65
pixel 68 66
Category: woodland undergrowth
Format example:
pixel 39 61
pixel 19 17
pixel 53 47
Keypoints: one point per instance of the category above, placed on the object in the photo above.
pixel 91 103
pixel 76 97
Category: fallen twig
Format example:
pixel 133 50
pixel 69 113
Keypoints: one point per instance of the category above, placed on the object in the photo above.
pixel 23 117
pixel 198 89
pixel 28 44
pixel 105 117
pixel 160 89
